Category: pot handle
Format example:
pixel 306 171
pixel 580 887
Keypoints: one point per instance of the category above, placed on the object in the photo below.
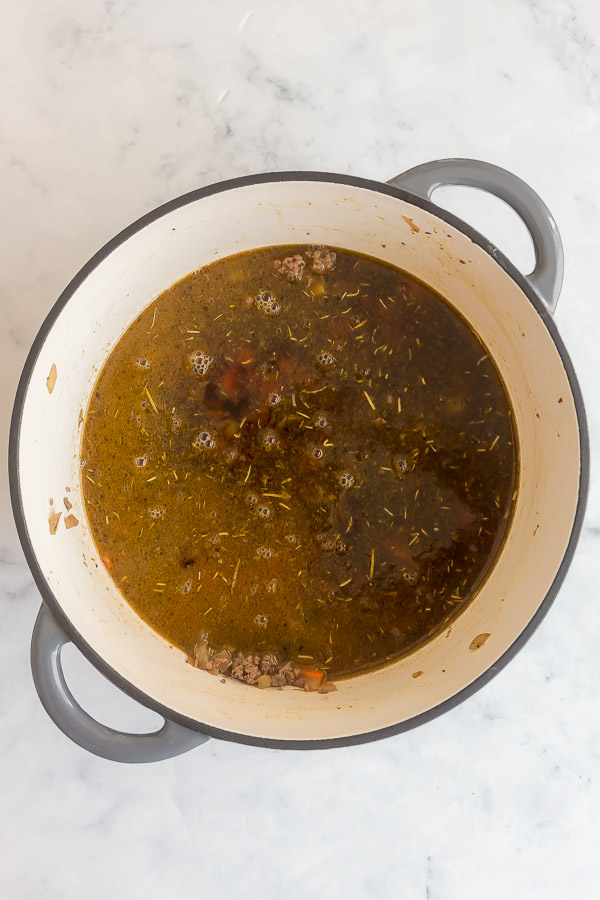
pixel 46 645
pixel 547 275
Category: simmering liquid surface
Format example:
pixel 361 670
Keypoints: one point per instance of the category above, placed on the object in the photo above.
pixel 299 452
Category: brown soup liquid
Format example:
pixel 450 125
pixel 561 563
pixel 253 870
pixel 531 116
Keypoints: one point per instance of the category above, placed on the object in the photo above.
pixel 303 452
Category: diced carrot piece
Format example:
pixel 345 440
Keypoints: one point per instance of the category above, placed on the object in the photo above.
pixel 109 561
pixel 313 675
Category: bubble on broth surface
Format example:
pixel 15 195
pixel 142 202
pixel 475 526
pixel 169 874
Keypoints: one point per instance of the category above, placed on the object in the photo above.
pixel 411 576
pixel 321 419
pixel 272 586
pixel 205 440
pixel 186 587
pixel 261 621
pixel 274 399
pixel 316 452
pixel 400 464
pixel 156 512
pixel 268 438
pixel 267 304
pixel 264 510
pixel 200 362
pixel 346 480
pixel 141 461
pixel 326 359
pixel 265 552
pixel 142 363
pixel 251 498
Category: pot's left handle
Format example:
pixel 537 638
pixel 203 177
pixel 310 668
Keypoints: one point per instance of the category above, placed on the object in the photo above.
pixel 46 645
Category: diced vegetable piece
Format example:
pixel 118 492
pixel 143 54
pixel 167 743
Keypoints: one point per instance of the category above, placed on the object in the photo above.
pixel 313 678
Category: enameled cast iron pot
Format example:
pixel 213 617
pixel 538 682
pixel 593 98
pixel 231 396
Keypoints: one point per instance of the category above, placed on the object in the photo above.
pixel 395 222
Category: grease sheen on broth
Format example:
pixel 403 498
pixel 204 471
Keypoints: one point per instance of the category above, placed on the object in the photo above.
pixel 299 452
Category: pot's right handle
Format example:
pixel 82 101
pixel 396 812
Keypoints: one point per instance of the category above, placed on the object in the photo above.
pixel 547 275
pixel 46 644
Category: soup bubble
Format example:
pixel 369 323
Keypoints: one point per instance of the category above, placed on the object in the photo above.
pixel 400 464
pixel 201 363
pixel 346 480
pixel 265 552
pixel 267 304
pixel 268 438
pixel 321 419
pixel 326 359
pixel 205 440
pixel 316 452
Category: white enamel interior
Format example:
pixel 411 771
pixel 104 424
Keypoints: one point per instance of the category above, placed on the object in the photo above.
pixel 359 219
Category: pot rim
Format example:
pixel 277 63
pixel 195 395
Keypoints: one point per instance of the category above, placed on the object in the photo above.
pixel 50 599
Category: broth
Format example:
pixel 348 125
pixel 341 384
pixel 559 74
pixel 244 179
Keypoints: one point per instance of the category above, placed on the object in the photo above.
pixel 301 457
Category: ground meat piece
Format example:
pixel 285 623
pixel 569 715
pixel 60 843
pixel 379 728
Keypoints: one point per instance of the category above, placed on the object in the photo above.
pixel 290 672
pixel 263 671
pixel 323 260
pixel 245 668
pixel 292 267
pixel 268 664
pixel 252 674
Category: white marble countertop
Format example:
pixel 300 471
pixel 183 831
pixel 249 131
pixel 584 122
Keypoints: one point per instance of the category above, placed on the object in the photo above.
pixel 109 109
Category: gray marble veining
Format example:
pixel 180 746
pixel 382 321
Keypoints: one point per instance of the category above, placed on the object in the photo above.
pixel 109 109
